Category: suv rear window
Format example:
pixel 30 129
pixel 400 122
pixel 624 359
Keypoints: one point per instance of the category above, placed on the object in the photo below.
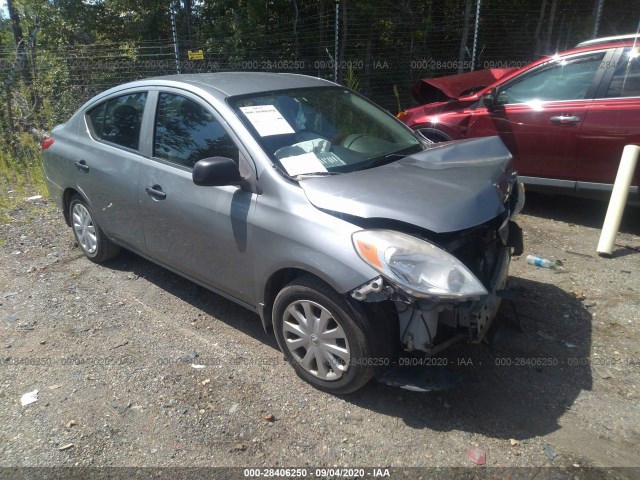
pixel 626 78
pixel 118 120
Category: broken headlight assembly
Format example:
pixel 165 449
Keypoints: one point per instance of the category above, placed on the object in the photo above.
pixel 417 267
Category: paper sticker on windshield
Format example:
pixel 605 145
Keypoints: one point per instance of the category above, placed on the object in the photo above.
pixel 301 164
pixel 330 159
pixel 267 120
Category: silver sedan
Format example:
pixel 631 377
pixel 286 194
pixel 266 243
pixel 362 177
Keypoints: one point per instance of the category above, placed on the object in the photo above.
pixel 355 239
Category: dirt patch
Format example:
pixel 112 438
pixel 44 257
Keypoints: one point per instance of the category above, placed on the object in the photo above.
pixel 111 350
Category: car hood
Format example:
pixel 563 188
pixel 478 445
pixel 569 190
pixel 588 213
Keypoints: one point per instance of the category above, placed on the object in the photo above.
pixel 429 90
pixel 450 187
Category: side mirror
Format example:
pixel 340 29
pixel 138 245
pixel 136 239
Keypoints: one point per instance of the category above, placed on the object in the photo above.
pixel 216 172
pixel 502 98
pixel 489 99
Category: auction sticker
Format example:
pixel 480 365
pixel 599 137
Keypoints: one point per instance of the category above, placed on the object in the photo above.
pixel 267 120
pixel 301 164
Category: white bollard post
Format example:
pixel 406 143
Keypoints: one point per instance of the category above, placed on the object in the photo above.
pixel 618 199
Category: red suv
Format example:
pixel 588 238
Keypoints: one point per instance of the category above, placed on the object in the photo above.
pixel 565 118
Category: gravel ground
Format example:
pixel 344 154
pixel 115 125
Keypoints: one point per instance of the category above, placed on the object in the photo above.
pixel 110 350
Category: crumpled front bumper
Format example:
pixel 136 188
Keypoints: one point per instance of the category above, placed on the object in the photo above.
pixel 431 324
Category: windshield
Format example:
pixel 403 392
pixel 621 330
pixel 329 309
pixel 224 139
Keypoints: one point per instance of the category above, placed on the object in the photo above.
pixel 323 130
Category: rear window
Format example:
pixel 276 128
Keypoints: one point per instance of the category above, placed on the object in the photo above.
pixel 118 120
pixel 626 78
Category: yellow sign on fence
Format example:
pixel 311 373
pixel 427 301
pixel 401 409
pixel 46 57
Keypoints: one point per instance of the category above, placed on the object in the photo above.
pixel 196 54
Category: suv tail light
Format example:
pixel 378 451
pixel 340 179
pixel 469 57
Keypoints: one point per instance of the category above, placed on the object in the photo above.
pixel 46 143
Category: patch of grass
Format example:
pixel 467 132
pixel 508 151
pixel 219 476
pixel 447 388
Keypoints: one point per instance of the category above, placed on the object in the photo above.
pixel 21 176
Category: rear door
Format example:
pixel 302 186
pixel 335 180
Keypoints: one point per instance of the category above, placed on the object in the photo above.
pixel 204 232
pixel 106 165
pixel 613 121
pixel 539 115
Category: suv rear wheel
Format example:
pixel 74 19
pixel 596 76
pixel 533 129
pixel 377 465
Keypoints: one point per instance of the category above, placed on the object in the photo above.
pixel 434 135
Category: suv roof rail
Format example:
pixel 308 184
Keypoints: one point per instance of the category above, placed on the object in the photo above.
pixel 598 41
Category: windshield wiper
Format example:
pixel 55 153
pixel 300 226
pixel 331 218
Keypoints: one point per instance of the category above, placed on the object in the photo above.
pixel 317 174
pixel 383 160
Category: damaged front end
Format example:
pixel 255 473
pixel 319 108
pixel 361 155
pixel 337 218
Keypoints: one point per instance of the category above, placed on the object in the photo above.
pixel 449 290
pixel 438 227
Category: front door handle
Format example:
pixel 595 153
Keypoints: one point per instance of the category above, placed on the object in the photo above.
pixel 156 192
pixel 82 165
pixel 565 120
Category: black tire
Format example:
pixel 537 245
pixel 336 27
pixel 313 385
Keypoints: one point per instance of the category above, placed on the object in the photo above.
pixel 357 369
pixel 434 135
pixel 104 248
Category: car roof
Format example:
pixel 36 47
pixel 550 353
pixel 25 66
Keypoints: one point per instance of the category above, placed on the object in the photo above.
pixel 227 84
pixel 604 40
pixel 598 45
pixel 219 85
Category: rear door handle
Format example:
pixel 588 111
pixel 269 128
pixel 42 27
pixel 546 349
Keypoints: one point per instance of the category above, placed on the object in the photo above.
pixel 82 165
pixel 156 192
pixel 565 120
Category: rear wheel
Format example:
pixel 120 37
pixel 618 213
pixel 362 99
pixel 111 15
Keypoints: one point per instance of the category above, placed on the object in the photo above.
pixel 90 237
pixel 322 336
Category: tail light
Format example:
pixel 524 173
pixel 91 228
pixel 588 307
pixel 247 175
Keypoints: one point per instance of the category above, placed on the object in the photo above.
pixel 46 143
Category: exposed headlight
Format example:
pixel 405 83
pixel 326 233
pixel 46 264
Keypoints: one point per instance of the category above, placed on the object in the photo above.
pixel 418 267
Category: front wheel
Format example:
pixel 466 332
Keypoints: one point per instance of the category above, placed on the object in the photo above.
pixel 90 237
pixel 322 337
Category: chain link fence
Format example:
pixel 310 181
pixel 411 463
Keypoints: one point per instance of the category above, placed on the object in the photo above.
pixel 378 51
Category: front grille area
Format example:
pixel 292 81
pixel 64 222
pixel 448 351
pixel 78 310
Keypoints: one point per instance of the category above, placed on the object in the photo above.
pixel 479 254
pixel 477 248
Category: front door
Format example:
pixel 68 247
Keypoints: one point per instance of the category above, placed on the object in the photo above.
pixel 204 232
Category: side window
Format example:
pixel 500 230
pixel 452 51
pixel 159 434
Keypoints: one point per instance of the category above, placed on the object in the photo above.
pixel 566 79
pixel 118 120
pixel 95 119
pixel 186 132
pixel 626 77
